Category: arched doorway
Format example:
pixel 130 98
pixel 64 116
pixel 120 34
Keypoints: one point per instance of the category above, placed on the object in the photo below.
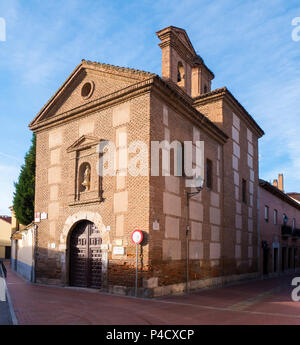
pixel 85 255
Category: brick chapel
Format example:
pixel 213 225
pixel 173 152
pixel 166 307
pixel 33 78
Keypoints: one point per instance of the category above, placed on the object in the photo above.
pixel 85 221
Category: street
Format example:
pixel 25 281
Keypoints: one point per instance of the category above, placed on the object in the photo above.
pixel 263 302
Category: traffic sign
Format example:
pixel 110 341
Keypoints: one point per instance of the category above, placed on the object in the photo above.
pixel 137 236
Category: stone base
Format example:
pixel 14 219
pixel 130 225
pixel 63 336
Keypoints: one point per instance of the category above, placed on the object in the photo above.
pixel 26 271
pixel 279 274
pixel 181 287
pixel 55 282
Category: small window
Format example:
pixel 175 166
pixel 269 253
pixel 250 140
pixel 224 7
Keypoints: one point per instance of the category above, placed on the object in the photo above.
pixel 205 88
pixel 275 216
pixel 180 160
pixel 178 76
pixel 244 191
pixel 266 213
pixel 87 90
pixel 285 219
pixel 209 173
pixel 180 73
pixel 294 223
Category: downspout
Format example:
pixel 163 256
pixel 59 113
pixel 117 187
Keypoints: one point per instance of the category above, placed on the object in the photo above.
pixel 258 233
pixel 187 243
pixel 35 228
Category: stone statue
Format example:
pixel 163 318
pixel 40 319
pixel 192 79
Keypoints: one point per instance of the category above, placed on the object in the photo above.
pixel 87 178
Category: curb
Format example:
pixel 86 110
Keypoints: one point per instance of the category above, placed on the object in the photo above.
pixel 9 301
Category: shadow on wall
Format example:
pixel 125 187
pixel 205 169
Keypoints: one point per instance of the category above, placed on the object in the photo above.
pixel 124 279
pixel 25 270
pixel 119 277
pixel 95 273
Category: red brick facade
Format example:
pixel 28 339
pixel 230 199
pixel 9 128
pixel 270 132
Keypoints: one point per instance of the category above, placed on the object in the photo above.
pixel 103 102
pixel 280 235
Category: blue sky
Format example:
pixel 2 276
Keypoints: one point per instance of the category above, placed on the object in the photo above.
pixel 248 45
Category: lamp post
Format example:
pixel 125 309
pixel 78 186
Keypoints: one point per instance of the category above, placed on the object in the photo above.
pixel 199 187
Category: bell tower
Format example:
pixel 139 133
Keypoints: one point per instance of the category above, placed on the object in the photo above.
pixel 180 63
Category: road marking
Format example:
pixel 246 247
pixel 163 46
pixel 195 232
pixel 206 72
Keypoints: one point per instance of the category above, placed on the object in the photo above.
pixel 228 309
pixel 253 300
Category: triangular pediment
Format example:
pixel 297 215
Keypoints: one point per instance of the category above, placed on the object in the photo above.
pixel 84 142
pixel 172 33
pixel 184 38
pixel 101 80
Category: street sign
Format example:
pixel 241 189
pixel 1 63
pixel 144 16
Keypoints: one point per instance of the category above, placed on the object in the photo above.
pixel 118 250
pixel 137 236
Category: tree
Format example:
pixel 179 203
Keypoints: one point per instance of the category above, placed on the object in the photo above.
pixel 23 202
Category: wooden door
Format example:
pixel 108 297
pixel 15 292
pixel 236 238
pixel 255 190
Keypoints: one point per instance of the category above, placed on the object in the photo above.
pixel 85 256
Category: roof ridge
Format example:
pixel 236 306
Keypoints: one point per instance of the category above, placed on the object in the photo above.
pixel 6 219
pixel 126 69
pixel 224 90
pixel 220 89
pixel 268 186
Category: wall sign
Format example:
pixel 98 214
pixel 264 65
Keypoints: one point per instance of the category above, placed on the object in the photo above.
pixel 118 251
pixel 44 215
pixel 37 217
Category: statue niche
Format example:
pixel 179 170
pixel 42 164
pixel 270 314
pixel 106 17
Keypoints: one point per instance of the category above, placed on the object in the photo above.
pixel 85 177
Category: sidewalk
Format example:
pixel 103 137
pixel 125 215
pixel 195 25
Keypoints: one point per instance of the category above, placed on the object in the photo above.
pixel 263 302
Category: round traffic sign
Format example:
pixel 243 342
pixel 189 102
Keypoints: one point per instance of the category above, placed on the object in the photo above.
pixel 137 236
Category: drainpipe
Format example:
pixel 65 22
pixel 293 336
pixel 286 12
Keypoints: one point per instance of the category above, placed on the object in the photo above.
pixel 188 196
pixel 35 227
pixel 187 243
pixel 258 234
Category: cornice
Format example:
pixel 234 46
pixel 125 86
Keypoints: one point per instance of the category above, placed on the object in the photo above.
pixel 84 142
pixel 184 107
pixel 182 93
pixel 277 192
pixel 226 95
pixel 93 106
pixel 155 84
pixel 124 72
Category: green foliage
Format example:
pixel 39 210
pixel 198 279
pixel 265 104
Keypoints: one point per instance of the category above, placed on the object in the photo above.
pixel 23 202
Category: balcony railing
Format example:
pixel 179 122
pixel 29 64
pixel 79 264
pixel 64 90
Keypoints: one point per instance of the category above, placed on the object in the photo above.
pixel 286 230
pixel 296 233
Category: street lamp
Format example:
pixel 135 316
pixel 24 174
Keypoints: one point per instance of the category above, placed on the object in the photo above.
pixel 199 187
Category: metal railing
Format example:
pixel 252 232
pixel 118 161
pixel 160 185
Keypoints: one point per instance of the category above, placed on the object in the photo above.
pixel 286 230
pixel 296 233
